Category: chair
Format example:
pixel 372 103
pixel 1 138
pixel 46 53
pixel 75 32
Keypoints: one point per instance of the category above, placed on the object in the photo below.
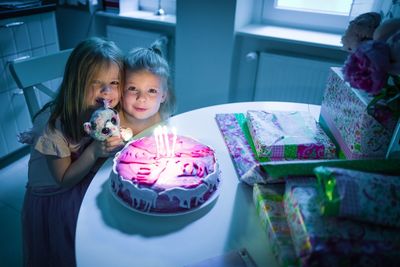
pixel 31 73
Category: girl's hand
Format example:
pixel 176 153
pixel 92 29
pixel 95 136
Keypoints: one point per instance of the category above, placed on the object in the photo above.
pixel 114 144
pixel 99 149
pixel 107 148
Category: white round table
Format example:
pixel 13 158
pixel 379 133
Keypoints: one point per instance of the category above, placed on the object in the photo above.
pixel 109 234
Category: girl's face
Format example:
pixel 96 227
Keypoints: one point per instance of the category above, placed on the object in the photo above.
pixel 105 85
pixel 143 94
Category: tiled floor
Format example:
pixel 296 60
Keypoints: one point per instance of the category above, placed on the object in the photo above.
pixel 13 178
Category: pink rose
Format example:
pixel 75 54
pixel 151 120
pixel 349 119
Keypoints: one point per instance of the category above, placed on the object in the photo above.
pixel 360 29
pixel 367 67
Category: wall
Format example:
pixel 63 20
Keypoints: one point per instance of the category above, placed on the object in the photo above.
pixel 248 11
pixel 204 45
pixel 73 25
pixel 211 63
pixel 244 65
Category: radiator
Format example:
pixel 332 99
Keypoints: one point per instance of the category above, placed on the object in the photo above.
pixel 127 39
pixel 292 79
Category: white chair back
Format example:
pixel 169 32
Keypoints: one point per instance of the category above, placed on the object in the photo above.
pixel 31 73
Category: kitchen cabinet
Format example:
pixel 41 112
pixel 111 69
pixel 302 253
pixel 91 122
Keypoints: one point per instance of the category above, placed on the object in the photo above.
pixel 21 37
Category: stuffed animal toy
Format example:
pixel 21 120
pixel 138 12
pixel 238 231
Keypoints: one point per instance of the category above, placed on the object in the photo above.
pixel 104 123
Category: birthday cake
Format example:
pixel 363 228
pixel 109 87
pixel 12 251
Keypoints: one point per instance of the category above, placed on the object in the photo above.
pixel 152 177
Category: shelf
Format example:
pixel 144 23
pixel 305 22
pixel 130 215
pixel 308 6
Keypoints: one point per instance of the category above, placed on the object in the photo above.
pixel 307 37
pixel 141 16
pixel 19 12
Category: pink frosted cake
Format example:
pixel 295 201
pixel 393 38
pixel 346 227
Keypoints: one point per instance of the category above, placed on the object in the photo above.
pixel 178 183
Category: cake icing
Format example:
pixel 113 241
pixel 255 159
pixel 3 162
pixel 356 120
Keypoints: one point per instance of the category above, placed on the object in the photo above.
pixel 148 182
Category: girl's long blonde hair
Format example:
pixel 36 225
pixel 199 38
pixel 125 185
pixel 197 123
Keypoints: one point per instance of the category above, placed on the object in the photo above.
pixel 85 61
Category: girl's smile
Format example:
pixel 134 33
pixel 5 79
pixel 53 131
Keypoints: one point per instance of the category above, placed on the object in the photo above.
pixel 140 109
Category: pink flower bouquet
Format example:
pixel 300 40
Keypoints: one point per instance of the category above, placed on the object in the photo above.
pixel 373 64
pixel 367 68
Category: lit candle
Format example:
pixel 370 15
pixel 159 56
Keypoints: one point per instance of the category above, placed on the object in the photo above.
pixel 161 137
pixel 174 136
pixel 166 140
pixel 161 141
pixel 156 134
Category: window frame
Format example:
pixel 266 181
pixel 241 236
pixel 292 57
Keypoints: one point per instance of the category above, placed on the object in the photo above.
pixel 333 23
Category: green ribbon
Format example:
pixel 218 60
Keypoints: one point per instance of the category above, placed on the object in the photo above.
pixel 242 121
pixel 330 199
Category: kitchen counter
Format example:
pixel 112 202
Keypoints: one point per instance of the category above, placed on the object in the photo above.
pixel 45 6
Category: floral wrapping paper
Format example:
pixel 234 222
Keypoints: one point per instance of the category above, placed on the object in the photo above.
pixel 363 196
pixel 281 135
pixel 329 241
pixel 343 112
pixel 244 160
pixel 269 205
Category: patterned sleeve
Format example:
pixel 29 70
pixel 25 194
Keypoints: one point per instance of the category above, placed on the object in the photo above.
pixel 53 143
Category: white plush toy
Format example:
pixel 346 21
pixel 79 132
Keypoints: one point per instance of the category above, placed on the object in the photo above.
pixel 104 123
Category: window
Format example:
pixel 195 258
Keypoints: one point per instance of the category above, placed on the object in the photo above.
pixel 169 6
pixel 339 7
pixel 320 15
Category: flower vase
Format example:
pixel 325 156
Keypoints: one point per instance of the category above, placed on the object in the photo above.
pixel 344 116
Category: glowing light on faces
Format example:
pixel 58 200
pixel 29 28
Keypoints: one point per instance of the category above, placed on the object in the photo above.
pixel 104 86
pixel 161 136
pixel 143 94
pixel 150 93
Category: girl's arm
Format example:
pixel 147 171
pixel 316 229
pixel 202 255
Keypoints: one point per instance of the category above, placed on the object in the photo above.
pixel 68 173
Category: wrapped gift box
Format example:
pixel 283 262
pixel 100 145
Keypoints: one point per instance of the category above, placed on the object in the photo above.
pixel 362 196
pixel 329 241
pixel 281 135
pixel 344 115
pixel 249 167
pixel 234 130
pixel 269 204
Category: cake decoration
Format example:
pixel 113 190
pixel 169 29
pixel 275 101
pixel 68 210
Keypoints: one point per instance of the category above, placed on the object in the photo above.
pixel 165 173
